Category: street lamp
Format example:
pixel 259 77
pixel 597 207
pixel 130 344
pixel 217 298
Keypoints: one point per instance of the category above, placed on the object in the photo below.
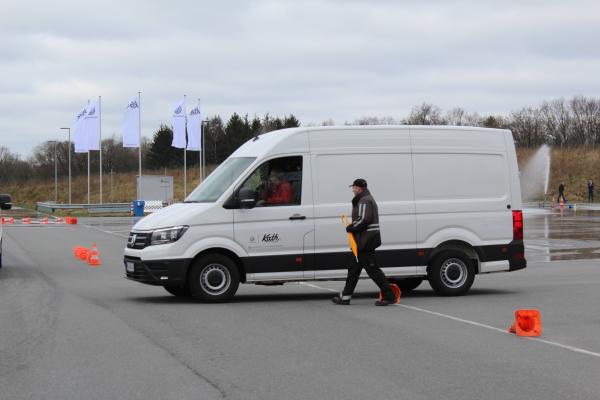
pixel 69 129
pixel 55 173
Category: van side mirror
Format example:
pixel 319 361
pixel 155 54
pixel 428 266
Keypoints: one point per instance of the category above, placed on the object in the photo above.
pixel 246 198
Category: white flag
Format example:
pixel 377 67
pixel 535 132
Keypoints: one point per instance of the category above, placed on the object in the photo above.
pixel 92 125
pixel 194 124
pixel 179 125
pixel 131 124
pixel 79 132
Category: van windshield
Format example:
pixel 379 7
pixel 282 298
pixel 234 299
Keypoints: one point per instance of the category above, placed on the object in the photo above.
pixel 216 183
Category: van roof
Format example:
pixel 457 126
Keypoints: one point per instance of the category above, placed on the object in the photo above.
pixel 267 142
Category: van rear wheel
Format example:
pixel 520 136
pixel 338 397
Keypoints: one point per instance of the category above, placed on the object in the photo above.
pixel 451 273
pixel 214 278
pixel 407 284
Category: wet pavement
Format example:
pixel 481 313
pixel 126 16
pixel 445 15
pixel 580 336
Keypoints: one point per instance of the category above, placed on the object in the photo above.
pixel 562 233
pixel 571 232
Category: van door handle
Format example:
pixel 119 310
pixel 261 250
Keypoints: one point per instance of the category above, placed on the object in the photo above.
pixel 297 216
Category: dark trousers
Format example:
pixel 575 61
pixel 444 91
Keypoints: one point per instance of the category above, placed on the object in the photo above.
pixel 366 260
pixel 560 194
pixel 591 197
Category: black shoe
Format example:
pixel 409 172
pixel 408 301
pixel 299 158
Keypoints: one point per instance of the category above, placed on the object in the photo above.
pixel 384 302
pixel 338 300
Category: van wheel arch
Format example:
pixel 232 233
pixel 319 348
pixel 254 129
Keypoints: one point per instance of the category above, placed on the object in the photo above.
pixel 456 245
pixel 227 253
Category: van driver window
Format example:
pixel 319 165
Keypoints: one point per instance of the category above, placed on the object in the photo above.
pixel 277 182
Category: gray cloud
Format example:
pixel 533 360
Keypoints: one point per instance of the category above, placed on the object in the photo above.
pixel 317 59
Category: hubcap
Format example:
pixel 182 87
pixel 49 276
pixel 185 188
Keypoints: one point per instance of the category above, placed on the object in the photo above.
pixel 454 273
pixel 215 279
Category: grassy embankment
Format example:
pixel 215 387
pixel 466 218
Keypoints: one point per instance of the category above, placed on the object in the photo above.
pixel 574 166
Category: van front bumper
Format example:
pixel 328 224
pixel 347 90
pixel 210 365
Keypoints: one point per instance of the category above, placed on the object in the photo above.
pixel 156 272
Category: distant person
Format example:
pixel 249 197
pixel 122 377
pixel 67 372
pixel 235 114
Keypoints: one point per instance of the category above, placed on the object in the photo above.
pixel 591 191
pixel 561 193
pixel 365 227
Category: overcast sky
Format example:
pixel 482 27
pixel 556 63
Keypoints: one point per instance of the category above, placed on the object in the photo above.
pixel 338 59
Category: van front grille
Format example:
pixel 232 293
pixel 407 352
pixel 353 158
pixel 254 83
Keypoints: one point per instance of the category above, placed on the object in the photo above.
pixel 139 240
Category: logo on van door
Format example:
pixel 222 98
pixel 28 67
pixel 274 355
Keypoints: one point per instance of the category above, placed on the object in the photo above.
pixel 270 238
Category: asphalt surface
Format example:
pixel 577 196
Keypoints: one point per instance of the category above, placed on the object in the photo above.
pixel 70 331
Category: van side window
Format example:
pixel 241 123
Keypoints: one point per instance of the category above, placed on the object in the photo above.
pixel 277 182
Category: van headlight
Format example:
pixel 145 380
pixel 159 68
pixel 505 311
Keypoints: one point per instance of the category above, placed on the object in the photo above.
pixel 167 235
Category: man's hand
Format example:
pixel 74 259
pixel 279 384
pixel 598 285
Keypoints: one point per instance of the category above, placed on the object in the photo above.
pixel 349 228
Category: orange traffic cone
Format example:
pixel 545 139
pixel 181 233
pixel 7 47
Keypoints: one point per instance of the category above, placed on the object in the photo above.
pixel 527 323
pixel 396 291
pixel 83 252
pixel 44 221
pixel 93 258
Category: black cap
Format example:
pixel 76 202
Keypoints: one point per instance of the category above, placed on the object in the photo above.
pixel 360 183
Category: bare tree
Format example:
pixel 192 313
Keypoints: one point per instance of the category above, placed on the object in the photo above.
pixel 425 114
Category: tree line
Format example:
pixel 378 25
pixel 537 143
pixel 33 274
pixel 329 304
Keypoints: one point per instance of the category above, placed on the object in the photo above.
pixel 221 139
pixel 572 123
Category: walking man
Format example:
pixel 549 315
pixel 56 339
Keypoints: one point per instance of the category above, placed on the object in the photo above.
pixel 561 192
pixel 365 227
pixel 591 191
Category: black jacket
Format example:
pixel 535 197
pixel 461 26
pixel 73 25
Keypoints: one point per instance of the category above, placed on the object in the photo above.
pixel 365 222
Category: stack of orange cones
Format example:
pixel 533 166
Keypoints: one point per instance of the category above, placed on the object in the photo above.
pixel 93 257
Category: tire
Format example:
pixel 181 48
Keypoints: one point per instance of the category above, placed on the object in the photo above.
pixel 407 284
pixel 451 273
pixel 179 291
pixel 214 278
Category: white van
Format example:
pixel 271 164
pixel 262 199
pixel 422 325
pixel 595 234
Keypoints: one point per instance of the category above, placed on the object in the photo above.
pixel 449 203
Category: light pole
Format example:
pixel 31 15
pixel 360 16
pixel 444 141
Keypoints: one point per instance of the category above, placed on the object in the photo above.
pixel 55 173
pixel 69 129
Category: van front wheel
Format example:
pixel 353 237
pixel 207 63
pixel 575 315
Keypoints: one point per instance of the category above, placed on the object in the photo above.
pixel 214 278
pixel 451 273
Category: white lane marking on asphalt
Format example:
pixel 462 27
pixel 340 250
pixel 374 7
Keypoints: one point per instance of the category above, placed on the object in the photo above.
pixel 466 321
pixel 318 287
pixel 107 232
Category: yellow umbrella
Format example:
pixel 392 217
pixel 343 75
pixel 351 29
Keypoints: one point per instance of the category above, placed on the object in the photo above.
pixel 351 238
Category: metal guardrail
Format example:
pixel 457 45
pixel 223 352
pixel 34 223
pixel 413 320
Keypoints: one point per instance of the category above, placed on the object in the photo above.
pixel 91 208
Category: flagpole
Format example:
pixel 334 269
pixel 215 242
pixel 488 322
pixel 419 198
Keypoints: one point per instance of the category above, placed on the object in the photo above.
pixel 140 148
pixel 200 152
pixel 88 197
pixel 88 176
pixel 185 150
pixel 100 129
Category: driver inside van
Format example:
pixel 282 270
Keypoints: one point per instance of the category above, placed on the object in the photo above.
pixel 279 191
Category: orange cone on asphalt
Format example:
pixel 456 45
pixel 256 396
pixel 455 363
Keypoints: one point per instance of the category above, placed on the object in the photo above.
pixel 93 258
pixel 527 323
pixel 83 253
pixel 395 290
